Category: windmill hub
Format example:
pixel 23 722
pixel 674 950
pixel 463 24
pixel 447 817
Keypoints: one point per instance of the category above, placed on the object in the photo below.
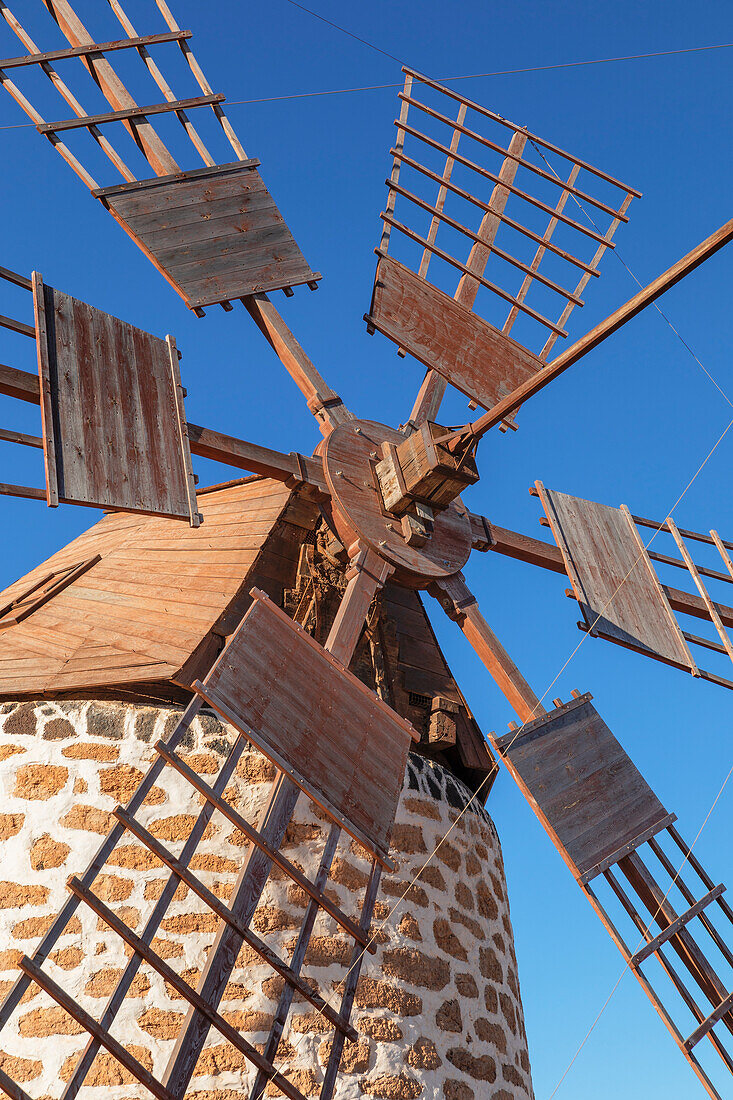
pixel 352 456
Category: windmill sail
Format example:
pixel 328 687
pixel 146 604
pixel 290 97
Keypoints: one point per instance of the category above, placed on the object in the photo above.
pixel 500 220
pixel 618 580
pixel 608 825
pixel 214 232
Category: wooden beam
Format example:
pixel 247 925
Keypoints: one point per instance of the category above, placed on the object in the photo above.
pixel 128 113
pixel 114 91
pixel 325 404
pixel 512 544
pixel 366 574
pixel 256 459
pixel 597 335
pixel 94 47
pixel 460 604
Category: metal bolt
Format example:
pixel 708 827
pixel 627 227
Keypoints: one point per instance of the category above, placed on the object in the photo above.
pixel 339 473
pixel 358 431
pixel 382 542
pixel 373 454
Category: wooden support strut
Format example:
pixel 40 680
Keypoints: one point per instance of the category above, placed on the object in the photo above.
pixel 597 335
pixel 254 873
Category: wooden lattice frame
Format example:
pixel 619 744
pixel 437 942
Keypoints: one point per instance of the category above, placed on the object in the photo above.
pixel 648 897
pixel 136 120
pixel 481 240
pixel 710 609
pixel 264 844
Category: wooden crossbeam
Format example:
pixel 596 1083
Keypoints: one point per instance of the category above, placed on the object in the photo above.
pixel 705 596
pixel 8 435
pixel 69 1005
pixel 18 326
pixel 512 155
pixel 422 79
pixel 92 48
pixel 224 913
pixel 128 113
pixel 183 988
pixel 723 1008
pixel 715 574
pixel 14 277
pixel 254 837
pixel 28 491
pixel 486 174
pixel 524 230
pixel 672 929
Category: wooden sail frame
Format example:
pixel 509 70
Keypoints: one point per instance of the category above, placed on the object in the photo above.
pixel 615 579
pixel 247 248
pixel 443 329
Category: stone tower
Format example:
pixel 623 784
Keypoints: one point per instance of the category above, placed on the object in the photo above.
pixel 437 1009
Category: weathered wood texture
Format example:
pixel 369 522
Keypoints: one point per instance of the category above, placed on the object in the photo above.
pixel 585 790
pixel 114 431
pixel 160 594
pixel 446 336
pixel 329 733
pixel 613 579
pixel 215 233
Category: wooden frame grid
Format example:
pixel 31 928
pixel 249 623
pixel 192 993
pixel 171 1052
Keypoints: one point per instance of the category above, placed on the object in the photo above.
pixel 261 840
pixel 589 797
pixel 511 159
pixel 149 141
pixel 593 572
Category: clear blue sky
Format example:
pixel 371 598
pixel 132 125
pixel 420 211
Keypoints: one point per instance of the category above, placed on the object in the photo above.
pixel 630 424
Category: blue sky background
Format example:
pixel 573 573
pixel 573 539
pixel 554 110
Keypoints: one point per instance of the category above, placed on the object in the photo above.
pixel 630 424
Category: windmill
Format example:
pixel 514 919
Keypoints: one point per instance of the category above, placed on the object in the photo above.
pixel 387 501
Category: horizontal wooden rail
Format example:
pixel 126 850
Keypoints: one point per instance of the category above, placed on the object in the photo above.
pixel 717 1014
pixel 695 535
pixel 258 840
pixel 484 172
pixel 14 277
pixel 7 435
pixel 467 271
pixel 224 913
pixel 69 1005
pixel 556 180
pixel 450 186
pixel 441 216
pixel 705 643
pixel 94 47
pixel 18 326
pixel 28 491
pixel 513 126
pixel 665 559
pixel 183 988
pixel 128 113
pixel 653 946
pixel 20 383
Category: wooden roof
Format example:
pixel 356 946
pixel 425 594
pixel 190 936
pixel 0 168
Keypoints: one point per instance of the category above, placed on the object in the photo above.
pixel 141 612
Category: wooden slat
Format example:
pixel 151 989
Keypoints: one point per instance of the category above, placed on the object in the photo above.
pixel 13 276
pixel 321 725
pixel 653 946
pixel 127 113
pixel 584 788
pixel 256 838
pixel 619 594
pixel 446 336
pixel 98 47
pixel 17 326
pixel 722 1010
pixel 695 574
pixel 8 435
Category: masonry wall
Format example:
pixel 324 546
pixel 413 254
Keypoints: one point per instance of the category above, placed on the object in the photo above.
pixel 438 1007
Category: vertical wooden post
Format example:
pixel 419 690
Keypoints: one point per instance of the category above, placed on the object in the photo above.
pixel 459 603
pixel 367 574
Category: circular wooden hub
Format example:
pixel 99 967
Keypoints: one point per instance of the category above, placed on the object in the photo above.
pixel 359 512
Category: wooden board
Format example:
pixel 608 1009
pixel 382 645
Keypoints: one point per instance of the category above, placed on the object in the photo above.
pixel 160 594
pixel 613 579
pixel 331 735
pixel 114 429
pixel 446 336
pixel 585 790
pixel 214 233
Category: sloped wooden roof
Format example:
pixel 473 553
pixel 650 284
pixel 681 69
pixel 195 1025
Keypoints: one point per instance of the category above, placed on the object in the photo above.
pixel 141 612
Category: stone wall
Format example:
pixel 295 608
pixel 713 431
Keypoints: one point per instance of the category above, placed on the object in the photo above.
pixel 437 1008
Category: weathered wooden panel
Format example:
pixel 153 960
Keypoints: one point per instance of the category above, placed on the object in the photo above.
pixel 619 593
pixel 447 336
pixel 114 429
pixel 341 744
pixel 214 233
pixel 586 791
